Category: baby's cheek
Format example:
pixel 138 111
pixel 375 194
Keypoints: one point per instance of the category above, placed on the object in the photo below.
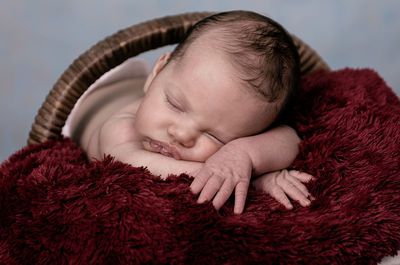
pixel 204 148
pixel 116 131
pixel 143 128
pixel 144 125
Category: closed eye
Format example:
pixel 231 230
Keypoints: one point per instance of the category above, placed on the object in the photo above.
pixel 172 104
pixel 215 138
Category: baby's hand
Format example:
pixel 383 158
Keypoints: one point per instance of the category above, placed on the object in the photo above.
pixel 283 183
pixel 227 170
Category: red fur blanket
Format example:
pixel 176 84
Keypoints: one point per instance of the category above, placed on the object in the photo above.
pixel 55 207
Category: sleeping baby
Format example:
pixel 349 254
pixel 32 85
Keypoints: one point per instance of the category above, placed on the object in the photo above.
pixel 210 109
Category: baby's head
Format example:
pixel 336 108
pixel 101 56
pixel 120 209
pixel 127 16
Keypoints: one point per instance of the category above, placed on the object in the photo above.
pixel 260 50
pixel 231 77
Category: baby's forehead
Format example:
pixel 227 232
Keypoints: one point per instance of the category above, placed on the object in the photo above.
pixel 210 44
pixel 242 115
pixel 212 38
pixel 247 118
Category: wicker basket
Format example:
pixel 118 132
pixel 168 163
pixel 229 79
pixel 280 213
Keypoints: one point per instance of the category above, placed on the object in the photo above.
pixel 114 50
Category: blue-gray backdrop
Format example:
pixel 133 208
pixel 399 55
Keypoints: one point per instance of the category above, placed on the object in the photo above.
pixel 39 39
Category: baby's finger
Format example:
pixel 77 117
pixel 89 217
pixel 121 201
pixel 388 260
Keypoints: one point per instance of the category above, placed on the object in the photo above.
pixel 293 192
pixel 200 180
pixel 209 190
pixel 223 194
pixel 240 196
pixel 281 197
pixel 299 185
pixel 302 176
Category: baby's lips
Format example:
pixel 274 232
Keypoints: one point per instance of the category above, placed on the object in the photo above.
pixel 165 149
pixel 174 152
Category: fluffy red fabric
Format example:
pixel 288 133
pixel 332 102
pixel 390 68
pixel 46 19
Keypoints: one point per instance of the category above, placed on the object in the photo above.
pixel 58 208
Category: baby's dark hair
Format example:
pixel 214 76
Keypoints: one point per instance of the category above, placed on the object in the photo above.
pixel 259 48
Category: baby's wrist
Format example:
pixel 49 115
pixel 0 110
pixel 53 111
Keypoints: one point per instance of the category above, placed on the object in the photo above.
pixel 254 149
pixel 240 146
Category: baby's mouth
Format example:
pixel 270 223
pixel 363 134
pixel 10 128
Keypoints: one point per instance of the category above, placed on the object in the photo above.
pixel 163 148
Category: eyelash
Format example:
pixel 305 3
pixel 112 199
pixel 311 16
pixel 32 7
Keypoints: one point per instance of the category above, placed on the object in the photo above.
pixel 218 140
pixel 172 105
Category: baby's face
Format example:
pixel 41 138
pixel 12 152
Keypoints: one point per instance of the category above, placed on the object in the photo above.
pixel 194 106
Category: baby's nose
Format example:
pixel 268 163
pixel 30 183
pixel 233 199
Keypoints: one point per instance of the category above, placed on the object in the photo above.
pixel 183 135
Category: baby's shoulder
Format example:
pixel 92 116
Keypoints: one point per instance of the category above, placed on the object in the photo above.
pixel 101 103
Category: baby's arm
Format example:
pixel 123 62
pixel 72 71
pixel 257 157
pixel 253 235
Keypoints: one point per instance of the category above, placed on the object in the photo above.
pixel 233 165
pixel 133 153
pixel 272 150
pixel 279 184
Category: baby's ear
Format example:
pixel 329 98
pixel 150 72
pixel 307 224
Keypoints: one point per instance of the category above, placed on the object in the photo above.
pixel 161 62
